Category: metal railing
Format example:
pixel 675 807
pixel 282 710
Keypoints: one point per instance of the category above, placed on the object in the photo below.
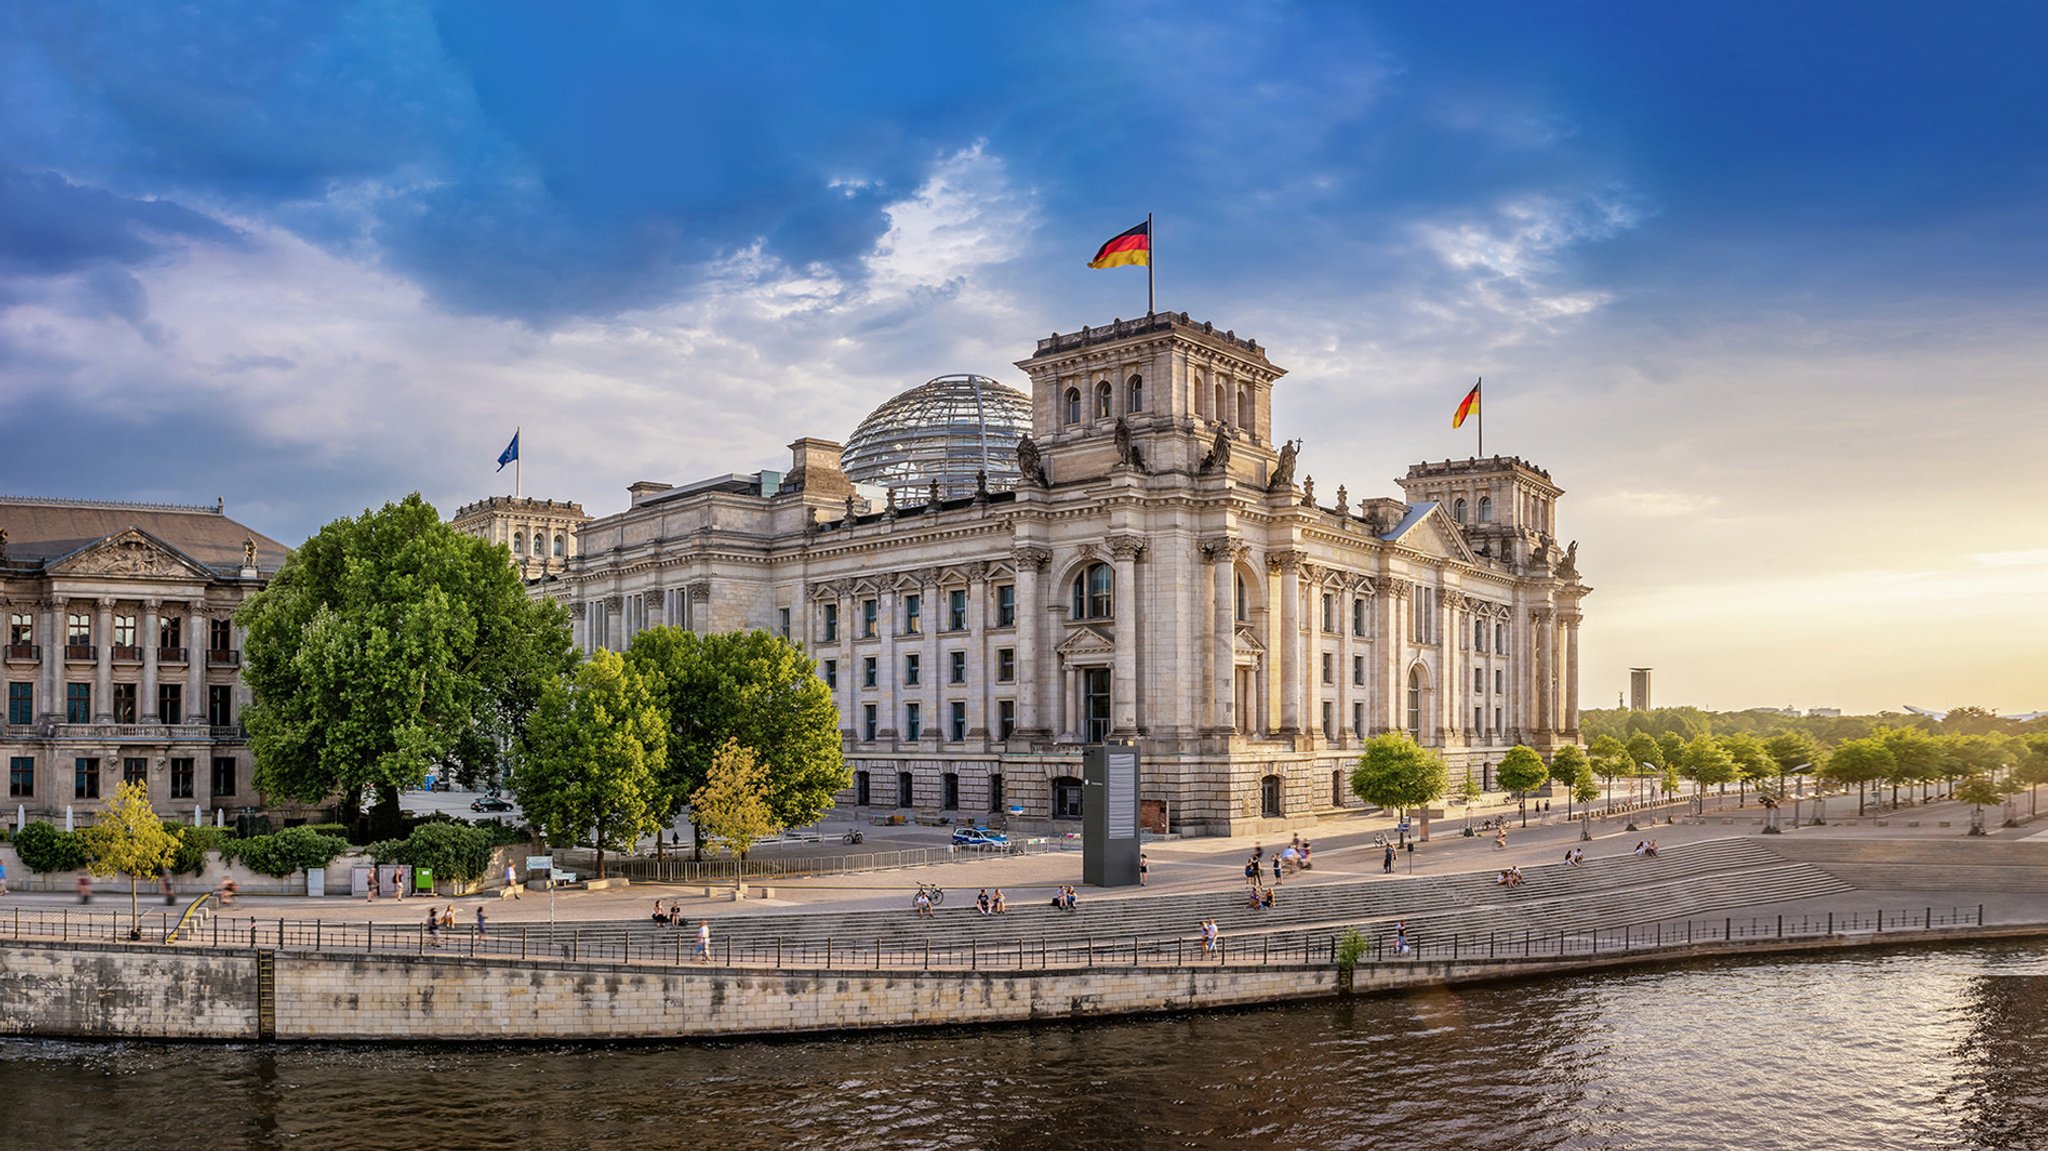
pixel 641 869
pixel 677 947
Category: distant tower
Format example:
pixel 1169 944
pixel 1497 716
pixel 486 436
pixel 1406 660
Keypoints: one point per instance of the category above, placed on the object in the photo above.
pixel 539 534
pixel 1639 688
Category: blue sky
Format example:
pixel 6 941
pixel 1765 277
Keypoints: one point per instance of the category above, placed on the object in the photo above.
pixel 1760 284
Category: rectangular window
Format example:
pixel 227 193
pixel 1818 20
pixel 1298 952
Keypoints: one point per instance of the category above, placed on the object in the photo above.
pixel 170 632
pixel 1358 617
pixel 124 631
pixel 956 667
pixel 21 777
pixel 867 722
pixel 220 700
pixel 77 703
pixel 1358 719
pixel 85 778
pixel 782 622
pixel 1499 724
pixel 21 703
pixel 1006 718
pixel 1329 720
pixel 995 793
pixel 862 796
pixel 1478 719
pixel 831 670
pixel 831 622
pixel 1095 703
pixel 1329 668
pixel 868 614
pixel 21 629
pixel 956 722
pixel 1500 638
pixel 135 769
pixel 913 669
pixel 1358 670
pixel 905 792
pixel 1006 605
pixel 949 792
pixel 223 775
pixel 956 610
pixel 1500 682
pixel 170 702
pixel 124 702
pixel 1006 664
pixel 913 721
pixel 181 779
pixel 869 676
pixel 913 614
pixel 78 633
pixel 1329 613
pixel 221 634
pixel 1479 636
pixel 1479 679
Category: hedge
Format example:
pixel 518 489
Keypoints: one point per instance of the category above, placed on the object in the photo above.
pixel 43 848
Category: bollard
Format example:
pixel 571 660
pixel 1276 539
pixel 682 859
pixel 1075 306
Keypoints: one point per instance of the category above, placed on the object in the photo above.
pixel 1927 918
pixel 1781 926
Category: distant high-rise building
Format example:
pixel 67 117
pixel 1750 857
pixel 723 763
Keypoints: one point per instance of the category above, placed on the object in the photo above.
pixel 1639 689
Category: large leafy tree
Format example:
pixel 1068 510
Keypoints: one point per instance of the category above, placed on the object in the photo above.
pixel 1610 758
pixel 588 764
pixel 1751 761
pixel 1791 749
pixel 1395 772
pixel 753 688
pixel 1861 762
pixel 1567 763
pixel 387 646
pixel 129 839
pixel 1917 757
pixel 1645 755
pixel 1707 763
pixel 732 806
pixel 2033 765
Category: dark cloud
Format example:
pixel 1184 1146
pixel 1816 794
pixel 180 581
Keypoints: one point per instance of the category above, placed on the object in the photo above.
pixel 49 225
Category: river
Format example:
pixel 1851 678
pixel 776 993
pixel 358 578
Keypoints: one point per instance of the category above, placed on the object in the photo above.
pixel 1898 1048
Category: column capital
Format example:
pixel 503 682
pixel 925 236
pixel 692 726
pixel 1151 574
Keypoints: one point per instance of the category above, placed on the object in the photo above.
pixel 152 604
pixel 1030 558
pixel 106 602
pixel 1126 547
pixel 1285 561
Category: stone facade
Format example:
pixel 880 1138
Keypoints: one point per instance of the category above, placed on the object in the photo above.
pixel 540 535
pixel 122 657
pixel 1159 575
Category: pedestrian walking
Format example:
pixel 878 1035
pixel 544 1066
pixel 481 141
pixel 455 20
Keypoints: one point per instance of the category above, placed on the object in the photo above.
pixel 3 878
pixel 372 887
pixel 703 948
pixel 433 927
pixel 1144 865
pixel 512 881
pixel 479 921
pixel 1276 869
pixel 1401 937
pixel 163 880
pixel 84 888
pixel 1387 864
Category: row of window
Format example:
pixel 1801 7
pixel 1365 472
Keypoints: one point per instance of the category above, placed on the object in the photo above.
pixel 949 790
pixel 1104 406
pixel 170 703
pixel 913 669
pixel 540 544
pixel 913 613
pixel 78 631
pixel 85 776
pixel 956 721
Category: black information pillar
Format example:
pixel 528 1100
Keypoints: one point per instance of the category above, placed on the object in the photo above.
pixel 1109 815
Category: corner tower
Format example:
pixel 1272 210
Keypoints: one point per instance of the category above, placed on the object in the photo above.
pixel 1175 385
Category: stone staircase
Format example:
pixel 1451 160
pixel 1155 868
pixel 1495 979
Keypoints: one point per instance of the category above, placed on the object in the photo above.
pixel 1959 863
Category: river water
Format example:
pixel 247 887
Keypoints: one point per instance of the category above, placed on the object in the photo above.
pixel 1891 1049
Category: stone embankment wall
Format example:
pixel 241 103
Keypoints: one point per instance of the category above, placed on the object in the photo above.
pixel 103 990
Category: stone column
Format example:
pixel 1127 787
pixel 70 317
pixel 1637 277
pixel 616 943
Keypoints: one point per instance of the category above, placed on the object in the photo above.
pixel 1542 631
pixel 849 674
pixel 697 605
pixel 198 638
pixel 981 662
pixel 1288 641
pixel 103 671
pixel 146 706
pixel 53 637
pixel 1571 673
pixel 890 697
pixel 1033 680
pixel 1222 557
pixel 579 626
pixel 1123 689
pixel 931 691
pixel 1346 691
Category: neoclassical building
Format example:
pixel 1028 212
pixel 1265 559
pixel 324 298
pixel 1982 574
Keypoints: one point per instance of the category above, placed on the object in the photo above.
pixel 1144 565
pixel 123 660
pixel 540 534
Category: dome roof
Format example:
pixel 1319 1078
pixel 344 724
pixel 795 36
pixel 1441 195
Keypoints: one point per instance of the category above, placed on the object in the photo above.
pixel 946 429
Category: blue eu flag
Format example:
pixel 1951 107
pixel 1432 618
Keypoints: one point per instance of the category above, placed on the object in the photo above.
pixel 510 453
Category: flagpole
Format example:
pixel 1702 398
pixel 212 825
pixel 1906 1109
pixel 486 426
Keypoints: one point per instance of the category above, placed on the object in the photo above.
pixel 1480 387
pixel 516 460
pixel 1151 260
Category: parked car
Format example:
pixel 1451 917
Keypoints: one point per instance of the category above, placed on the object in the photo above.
pixel 979 837
pixel 491 803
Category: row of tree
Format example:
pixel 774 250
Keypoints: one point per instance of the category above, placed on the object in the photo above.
pixel 389 646
pixel 1826 730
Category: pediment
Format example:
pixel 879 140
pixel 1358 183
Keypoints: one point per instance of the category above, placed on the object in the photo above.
pixel 1429 529
pixel 132 553
pixel 1086 642
pixel 1247 646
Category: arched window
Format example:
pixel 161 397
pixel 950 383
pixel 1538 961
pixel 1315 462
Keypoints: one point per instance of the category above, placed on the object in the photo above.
pixel 1092 592
pixel 1458 510
pixel 518 543
pixel 1337 788
pixel 1269 796
pixel 1066 798
pixel 1486 509
pixel 1244 607
pixel 1137 395
pixel 559 543
pixel 1415 702
pixel 1073 405
pixel 1244 411
pixel 1221 411
pixel 1102 400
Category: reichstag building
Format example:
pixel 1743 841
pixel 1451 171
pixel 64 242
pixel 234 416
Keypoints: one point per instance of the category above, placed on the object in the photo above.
pixel 991 580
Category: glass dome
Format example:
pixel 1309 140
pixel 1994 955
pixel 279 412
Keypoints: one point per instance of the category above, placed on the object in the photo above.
pixel 947 430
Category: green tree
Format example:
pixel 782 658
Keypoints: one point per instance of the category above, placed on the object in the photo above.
pixel 1610 758
pixel 2032 769
pixel 1645 757
pixel 1791 749
pixel 1672 745
pixel 1917 758
pixel 1565 765
pixel 1468 794
pixel 1980 790
pixel 1751 761
pixel 1860 762
pixel 1521 771
pixel 753 688
pixel 1705 762
pixel 1395 773
pixel 1585 789
pixel 588 764
pixel 732 806
pixel 388 646
pixel 129 839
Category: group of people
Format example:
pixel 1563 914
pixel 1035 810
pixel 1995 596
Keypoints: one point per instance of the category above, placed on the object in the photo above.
pixel 1646 849
pixel 1575 857
pixel 671 915
pixel 990 903
pixel 1512 877
pixel 442 918
pixel 1064 898
pixel 1259 898
pixel 1212 938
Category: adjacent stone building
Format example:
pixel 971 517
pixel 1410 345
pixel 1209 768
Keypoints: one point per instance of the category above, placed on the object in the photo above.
pixel 1147 567
pixel 539 534
pixel 122 658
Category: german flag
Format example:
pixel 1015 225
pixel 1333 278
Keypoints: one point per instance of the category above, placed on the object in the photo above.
pixel 1132 247
pixel 1469 406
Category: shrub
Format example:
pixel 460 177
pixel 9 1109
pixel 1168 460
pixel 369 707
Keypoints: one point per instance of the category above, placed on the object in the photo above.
pixel 1350 949
pixel 451 850
pixel 194 843
pixel 43 848
pixel 289 851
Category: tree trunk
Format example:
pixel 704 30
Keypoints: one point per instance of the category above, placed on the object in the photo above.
pixel 134 907
pixel 386 820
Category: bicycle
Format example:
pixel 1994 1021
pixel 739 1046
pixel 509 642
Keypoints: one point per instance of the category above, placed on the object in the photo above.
pixel 852 836
pixel 930 892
